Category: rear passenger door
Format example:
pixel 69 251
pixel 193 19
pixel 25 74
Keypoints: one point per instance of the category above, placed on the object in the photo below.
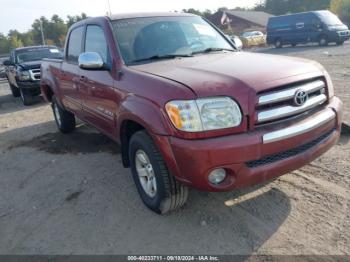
pixel 97 86
pixel 70 72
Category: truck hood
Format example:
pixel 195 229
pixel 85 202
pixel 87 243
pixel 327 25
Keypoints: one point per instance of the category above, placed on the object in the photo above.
pixel 338 27
pixel 219 73
pixel 30 65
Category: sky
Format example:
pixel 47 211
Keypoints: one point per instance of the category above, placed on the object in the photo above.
pixel 20 14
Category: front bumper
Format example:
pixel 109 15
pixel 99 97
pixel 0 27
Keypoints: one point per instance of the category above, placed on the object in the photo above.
pixel 248 158
pixel 30 88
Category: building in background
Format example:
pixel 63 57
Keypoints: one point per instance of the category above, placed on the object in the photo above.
pixel 237 22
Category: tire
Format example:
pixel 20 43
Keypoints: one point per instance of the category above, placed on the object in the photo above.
pixel 323 40
pixel 65 120
pixel 340 42
pixel 294 45
pixel 165 194
pixel 27 100
pixel 14 90
pixel 278 43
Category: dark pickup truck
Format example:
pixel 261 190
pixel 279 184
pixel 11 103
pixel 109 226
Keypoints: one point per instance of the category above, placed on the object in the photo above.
pixel 187 109
pixel 23 70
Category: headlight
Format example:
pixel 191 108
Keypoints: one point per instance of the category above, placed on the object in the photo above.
pixel 23 76
pixel 204 114
pixel 329 84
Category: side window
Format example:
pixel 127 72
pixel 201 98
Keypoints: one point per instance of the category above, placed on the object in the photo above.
pixel 74 45
pixel 96 42
pixel 300 25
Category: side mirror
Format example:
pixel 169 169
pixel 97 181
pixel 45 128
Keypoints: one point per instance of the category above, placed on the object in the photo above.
pixel 8 63
pixel 91 61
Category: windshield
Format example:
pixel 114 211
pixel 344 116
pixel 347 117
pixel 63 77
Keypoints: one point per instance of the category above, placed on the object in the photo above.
pixel 37 54
pixel 329 18
pixel 142 38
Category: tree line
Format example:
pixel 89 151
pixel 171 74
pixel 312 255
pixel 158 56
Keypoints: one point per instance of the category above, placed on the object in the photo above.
pixel 54 29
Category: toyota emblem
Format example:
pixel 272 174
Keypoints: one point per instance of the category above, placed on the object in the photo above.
pixel 300 97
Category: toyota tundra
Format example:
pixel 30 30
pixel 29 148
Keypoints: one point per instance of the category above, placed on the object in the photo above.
pixel 187 109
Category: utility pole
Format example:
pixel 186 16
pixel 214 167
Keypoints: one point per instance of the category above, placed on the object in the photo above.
pixel 109 8
pixel 42 32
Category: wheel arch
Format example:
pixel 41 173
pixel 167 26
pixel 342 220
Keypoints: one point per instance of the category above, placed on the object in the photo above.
pixel 138 114
pixel 47 92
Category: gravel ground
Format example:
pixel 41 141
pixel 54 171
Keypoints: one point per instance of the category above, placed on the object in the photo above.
pixel 69 194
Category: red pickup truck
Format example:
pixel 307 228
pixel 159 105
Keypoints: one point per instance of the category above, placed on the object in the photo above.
pixel 187 108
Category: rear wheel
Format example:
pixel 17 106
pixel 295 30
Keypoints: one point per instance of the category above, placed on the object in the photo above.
pixel 278 43
pixel 340 42
pixel 65 120
pixel 323 40
pixel 27 100
pixel 157 188
pixel 294 44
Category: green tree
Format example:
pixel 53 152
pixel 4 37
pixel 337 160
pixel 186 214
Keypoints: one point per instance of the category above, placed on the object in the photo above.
pixel 15 42
pixel 73 19
pixel 36 29
pixel 342 9
pixel 192 11
pixel 4 44
pixel 280 7
pixel 27 39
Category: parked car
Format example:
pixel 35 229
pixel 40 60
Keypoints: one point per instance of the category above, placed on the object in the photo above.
pixel 237 41
pixel 322 27
pixel 2 72
pixel 23 70
pixel 254 38
pixel 2 68
pixel 190 113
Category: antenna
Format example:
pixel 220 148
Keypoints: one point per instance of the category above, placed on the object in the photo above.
pixel 109 8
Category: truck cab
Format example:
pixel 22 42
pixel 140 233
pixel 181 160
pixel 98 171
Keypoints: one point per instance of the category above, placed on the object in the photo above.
pixel 187 108
pixel 23 70
pixel 321 27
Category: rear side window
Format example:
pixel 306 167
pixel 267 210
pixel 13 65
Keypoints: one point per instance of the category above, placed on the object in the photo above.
pixel 74 44
pixel 96 41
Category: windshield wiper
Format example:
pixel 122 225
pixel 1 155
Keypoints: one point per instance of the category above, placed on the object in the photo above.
pixel 212 49
pixel 159 57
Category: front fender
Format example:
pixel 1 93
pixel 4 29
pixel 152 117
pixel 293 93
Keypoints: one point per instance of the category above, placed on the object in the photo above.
pixel 144 112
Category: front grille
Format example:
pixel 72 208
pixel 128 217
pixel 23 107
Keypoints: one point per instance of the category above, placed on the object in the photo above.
pixel 35 74
pixel 280 104
pixel 345 33
pixel 289 153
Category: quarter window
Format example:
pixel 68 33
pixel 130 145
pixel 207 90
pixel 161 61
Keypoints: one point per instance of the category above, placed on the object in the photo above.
pixel 74 44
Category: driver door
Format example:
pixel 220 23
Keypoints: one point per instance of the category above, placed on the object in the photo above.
pixel 97 86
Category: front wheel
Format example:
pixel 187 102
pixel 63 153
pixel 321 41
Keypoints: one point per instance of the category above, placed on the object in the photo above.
pixel 65 120
pixel 323 40
pixel 278 43
pixel 157 188
pixel 27 100
pixel 340 42
pixel 14 90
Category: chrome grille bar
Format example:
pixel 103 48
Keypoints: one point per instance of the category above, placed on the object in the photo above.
pixel 280 96
pixel 285 111
pixel 34 74
pixel 300 128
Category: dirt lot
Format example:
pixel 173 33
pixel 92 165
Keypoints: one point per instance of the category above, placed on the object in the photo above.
pixel 69 194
